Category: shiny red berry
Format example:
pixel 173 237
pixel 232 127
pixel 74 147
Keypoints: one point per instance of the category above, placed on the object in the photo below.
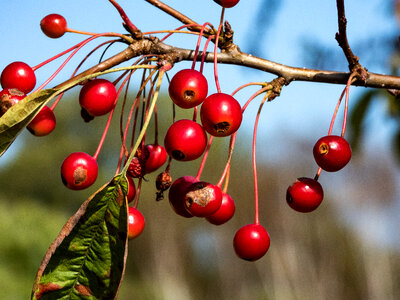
pixel 251 242
pixel 221 114
pixel 227 3
pixel 202 199
pixel 304 195
pixel 8 98
pixel 135 223
pixel 156 156
pixel 332 153
pixel 18 75
pixel 43 123
pixel 225 212
pixel 131 189
pixel 79 171
pixel 97 97
pixel 185 140
pixel 188 88
pixel 53 25
pixel 177 193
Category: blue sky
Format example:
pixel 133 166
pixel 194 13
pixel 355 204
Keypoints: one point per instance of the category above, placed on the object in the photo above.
pixel 303 110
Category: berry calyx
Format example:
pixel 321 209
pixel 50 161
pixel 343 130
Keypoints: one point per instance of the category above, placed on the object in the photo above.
pixel 227 3
pixel 203 199
pixel 177 193
pixel 135 223
pixel 79 171
pixel 156 156
pixel 332 153
pixel 185 140
pixel 221 114
pixel 224 213
pixel 136 167
pixel 18 75
pixel 97 97
pixel 251 242
pixel 131 189
pixel 304 195
pixel 43 123
pixel 53 25
pixel 8 98
pixel 188 88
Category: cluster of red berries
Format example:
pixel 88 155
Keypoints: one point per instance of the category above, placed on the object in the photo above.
pixel 18 79
pixel 185 140
pixel 331 153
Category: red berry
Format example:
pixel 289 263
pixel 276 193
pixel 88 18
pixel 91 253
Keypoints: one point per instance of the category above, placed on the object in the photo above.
pixel 304 195
pixel 251 242
pixel 8 98
pixel 53 25
pixel 188 88
pixel 332 153
pixel 177 193
pixel 227 3
pixel 225 212
pixel 135 223
pixel 131 189
pixel 18 75
pixel 185 140
pixel 79 171
pixel 44 122
pixel 221 114
pixel 156 156
pixel 97 97
pixel 203 199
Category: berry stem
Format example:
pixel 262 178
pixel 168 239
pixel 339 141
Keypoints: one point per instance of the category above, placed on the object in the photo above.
pixel 228 161
pixel 226 184
pixel 346 104
pixel 146 123
pixel 80 45
pixel 204 52
pixel 203 161
pixel 137 195
pixel 316 177
pixel 198 44
pixel 215 57
pixel 177 30
pixel 124 17
pixel 103 137
pixel 56 56
pixel 256 219
pixel 77 68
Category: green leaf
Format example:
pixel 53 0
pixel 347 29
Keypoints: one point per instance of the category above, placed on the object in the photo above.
pixel 20 115
pixel 87 259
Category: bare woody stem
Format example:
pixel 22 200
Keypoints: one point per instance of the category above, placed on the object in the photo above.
pixel 177 15
pixel 152 46
pixel 341 36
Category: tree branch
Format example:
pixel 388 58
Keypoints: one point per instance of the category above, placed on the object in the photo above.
pixel 341 37
pixel 177 15
pixel 152 46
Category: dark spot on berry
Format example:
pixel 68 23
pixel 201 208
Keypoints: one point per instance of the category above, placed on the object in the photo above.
pixel 178 155
pixel 323 149
pixel 189 95
pixel 63 180
pixel 222 127
pixel 80 175
pixel 289 198
pixel 86 116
